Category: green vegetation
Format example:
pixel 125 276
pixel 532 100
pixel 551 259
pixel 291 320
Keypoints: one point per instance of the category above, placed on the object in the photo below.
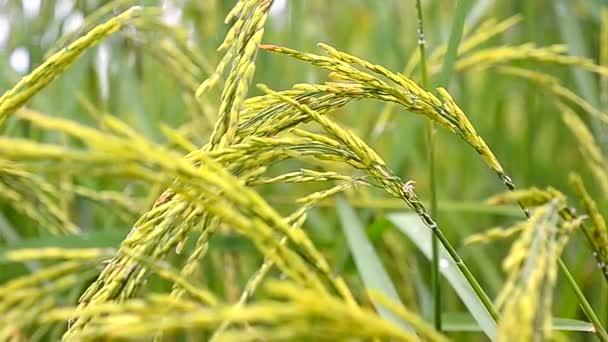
pixel 430 171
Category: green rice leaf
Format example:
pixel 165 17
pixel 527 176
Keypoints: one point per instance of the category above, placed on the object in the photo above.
pixel 463 321
pixel 411 226
pixel 368 263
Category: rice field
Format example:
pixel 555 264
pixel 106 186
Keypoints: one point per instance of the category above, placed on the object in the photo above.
pixel 272 170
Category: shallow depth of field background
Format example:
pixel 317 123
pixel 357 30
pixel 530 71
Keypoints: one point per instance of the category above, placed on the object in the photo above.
pixel 519 121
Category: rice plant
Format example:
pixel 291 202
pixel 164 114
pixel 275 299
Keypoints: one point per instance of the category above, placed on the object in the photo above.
pixel 160 183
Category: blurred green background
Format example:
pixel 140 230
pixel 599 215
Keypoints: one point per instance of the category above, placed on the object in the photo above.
pixel 518 120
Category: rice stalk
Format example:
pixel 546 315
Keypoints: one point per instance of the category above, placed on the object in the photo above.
pixel 53 66
pixel 431 131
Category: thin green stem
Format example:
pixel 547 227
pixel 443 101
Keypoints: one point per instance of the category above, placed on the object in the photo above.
pixel 422 46
pixel 585 306
pixel 481 294
pixel 431 155
pixel 590 241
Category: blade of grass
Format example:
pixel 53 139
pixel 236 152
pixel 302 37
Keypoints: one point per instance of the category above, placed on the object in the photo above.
pixel 463 321
pixel 431 160
pixel 7 231
pixel 10 235
pixel 368 263
pixel 462 7
pixel 585 306
pixel 567 324
pixel 411 227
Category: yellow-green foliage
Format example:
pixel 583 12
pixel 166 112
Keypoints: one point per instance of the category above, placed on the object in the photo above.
pixel 219 189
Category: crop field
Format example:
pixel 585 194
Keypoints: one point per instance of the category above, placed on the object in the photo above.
pixel 290 170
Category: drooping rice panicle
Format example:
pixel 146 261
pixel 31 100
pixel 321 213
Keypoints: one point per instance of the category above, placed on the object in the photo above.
pixel 406 93
pixel 526 297
pixel 364 157
pixel 588 147
pixel 53 66
pixel 140 149
pixel 597 235
pixel 241 45
pixel 237 84
pixel 90 22
pixel 26 254
pixel 493 234
pixel 554 86
pixel 295 219
pixel 144 150
pixel 210 192
pixel 34 197
pixel 485 32
pixel 553 54
pixel 295 310
pixel 530 197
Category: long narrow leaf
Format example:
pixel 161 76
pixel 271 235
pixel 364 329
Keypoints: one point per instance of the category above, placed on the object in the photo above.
pixel 462 7
pixel 368 263
pixel 463 321
pixel 411 226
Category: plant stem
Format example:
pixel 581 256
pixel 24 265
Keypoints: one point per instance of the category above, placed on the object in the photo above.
pixel 431 156
pixel 585 306
pixel 422 47
pixel 485 300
